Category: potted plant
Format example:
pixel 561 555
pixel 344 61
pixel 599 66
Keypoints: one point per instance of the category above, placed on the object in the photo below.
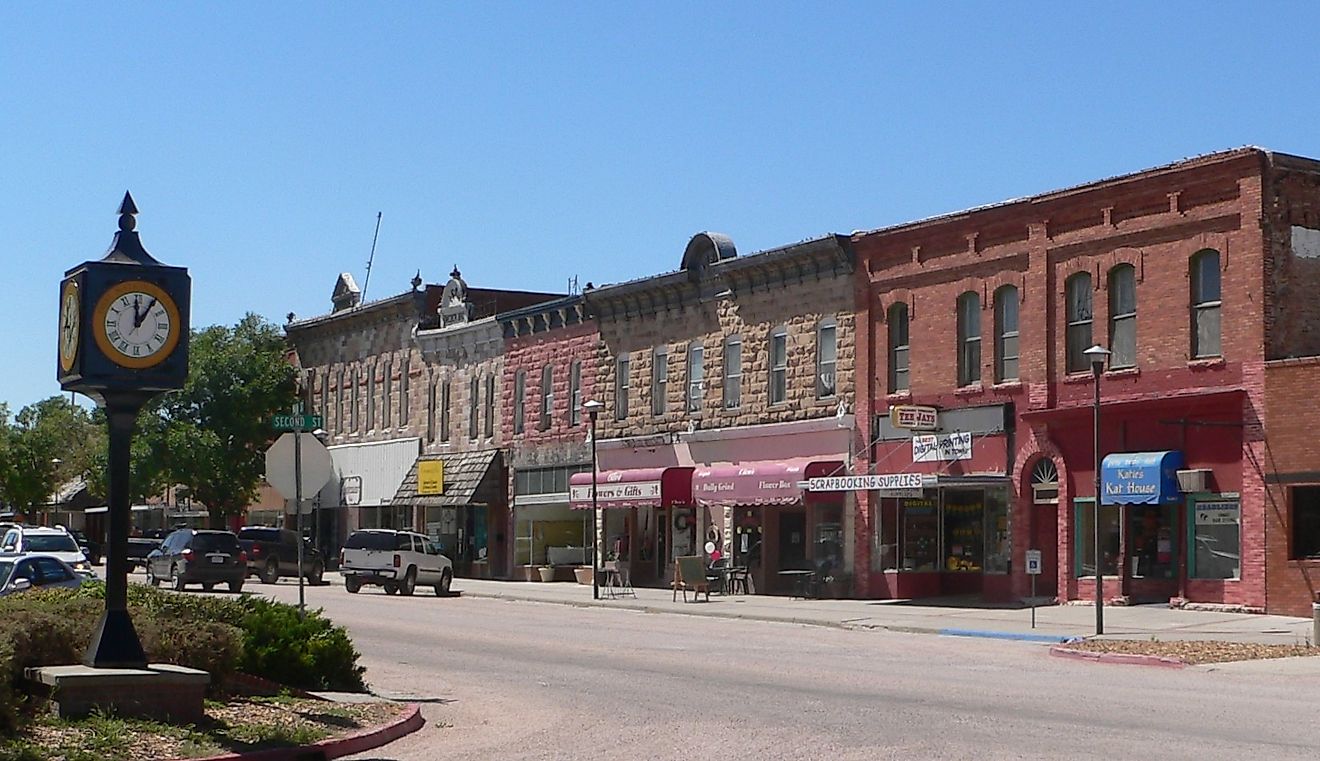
pixel 547 572
pixel 583 574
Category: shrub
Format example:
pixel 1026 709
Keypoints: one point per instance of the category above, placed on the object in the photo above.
pixel 310 653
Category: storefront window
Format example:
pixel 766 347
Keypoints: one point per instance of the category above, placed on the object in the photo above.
pixel 1216 536
pixel 1151 548
pixel 828 552
pixel 998 537
pixel 1085 523
pixel 884 552
pixel 964 516
pixel 920 534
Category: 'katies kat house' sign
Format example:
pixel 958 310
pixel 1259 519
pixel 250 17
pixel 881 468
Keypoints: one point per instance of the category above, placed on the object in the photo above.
pixel 1141 478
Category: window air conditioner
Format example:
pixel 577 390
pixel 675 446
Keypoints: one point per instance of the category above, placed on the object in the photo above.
pixel 1190 481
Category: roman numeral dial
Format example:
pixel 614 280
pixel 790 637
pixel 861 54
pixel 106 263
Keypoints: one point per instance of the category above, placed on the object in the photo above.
pixel 136 324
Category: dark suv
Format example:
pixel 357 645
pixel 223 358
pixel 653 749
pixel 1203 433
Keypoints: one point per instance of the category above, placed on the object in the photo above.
pixel 191 556
pixel 273 552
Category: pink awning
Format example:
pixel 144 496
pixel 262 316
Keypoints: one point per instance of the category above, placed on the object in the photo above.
pixel 635 487
pixel 757 483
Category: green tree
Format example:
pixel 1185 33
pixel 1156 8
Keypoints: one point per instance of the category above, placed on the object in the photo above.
pixel 211 436
pixel 50 442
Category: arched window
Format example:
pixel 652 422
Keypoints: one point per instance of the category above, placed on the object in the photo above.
pixel 1205 304
pixel 898 348
pixel 1077 290
pixel 1123 316
pixel 1006 334
pixel 969 339
pixel 1045 483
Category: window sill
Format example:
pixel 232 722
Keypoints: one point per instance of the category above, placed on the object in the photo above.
pixel 969 390
pixel 1078 378
pixel 899 396
pixel 1123 372
pixel 1010 386
pixel 1206 363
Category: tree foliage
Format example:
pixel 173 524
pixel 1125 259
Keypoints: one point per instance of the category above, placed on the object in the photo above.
pixel 48 443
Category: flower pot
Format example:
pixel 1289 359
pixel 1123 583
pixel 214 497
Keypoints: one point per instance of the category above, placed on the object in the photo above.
pixel 583 574
pixel 547 572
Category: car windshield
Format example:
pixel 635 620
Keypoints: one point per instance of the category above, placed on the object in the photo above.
pixel 371 540
pixel 6 568
pixel 215 543
pixel 50 543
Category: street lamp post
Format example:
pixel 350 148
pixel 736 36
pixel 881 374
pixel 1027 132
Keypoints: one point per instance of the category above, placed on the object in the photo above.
pixel 593 409
pixel 1098 354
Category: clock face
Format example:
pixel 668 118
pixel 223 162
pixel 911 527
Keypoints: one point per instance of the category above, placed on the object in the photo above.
pixel 136 324
pixel 69 324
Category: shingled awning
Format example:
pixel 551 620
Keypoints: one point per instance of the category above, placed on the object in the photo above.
pixel 469 478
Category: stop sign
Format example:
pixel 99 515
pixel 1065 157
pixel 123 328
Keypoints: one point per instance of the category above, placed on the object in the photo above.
pixel 316 466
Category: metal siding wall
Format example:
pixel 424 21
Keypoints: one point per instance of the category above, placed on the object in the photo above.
pixel 381 465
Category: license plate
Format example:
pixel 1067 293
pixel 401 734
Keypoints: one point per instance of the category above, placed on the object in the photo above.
pixel 217 559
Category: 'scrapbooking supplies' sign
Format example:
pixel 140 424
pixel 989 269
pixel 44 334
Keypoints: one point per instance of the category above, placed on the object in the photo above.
pixel 875 482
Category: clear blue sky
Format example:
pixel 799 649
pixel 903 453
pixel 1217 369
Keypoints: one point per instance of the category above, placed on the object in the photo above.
pixel 530 142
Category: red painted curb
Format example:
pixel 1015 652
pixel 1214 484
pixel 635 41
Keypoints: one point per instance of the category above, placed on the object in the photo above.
pixel 410 722
pixel 1130 659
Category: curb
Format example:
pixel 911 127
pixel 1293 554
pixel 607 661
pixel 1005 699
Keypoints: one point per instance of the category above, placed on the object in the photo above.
pixel 410 722
pixel 1128 659
pixel 1016 636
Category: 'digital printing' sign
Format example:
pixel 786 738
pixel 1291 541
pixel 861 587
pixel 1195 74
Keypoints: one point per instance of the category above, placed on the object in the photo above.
pixel 941 447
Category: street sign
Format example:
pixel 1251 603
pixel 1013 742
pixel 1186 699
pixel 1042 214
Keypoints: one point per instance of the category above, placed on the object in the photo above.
pixel 317 467
pixel 914 417
pixel 287 422
pixel 1033 562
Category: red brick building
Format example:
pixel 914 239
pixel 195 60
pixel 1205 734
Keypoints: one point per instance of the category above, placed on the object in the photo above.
pixel 1198 276
pixel 549 371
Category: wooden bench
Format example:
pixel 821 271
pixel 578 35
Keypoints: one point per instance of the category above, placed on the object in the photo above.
pixel 690 576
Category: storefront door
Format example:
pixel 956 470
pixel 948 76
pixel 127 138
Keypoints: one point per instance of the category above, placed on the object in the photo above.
pixel 1045 537
pixel 792 540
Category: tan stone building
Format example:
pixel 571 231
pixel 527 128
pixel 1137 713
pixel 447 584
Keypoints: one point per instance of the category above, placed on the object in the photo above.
pixel 408 379
pixel 726 385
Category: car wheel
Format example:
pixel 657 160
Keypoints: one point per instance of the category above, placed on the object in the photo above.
pixel 391 588
pixel 236 586
pixel 208 586
pixel 176 581
pixel 271 572
pixel 151 578
pixel 316 577
pixel 352 584
pixel 409 582
pixel 446 581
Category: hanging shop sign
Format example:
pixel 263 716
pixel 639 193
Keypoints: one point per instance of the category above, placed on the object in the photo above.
pixel 616 491
pixel 943 447
pixel 431 477
pixel 888 484
pixel 1141 478
pixel 351 491
pixel 914 417
pixel 1217 513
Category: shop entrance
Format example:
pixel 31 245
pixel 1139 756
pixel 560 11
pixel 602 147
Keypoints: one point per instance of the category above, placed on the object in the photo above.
pixel 1045 537
pixel 792 540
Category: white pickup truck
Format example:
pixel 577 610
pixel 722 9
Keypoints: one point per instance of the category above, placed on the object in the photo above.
pixel 397 560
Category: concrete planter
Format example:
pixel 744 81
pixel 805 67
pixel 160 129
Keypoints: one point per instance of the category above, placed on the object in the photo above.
pixel 547 572
pixel 583 574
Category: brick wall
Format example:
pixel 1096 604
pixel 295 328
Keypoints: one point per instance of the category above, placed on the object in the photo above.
pixel 1290 459
pixel 1294 270
pixel 558 349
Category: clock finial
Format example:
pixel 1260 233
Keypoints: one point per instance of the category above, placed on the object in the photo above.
pixel 127 246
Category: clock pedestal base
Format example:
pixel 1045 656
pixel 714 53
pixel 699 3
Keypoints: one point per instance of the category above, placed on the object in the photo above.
pixel 115 643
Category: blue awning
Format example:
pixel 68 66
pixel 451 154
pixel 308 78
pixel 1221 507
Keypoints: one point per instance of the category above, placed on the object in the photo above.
pixel 1141 478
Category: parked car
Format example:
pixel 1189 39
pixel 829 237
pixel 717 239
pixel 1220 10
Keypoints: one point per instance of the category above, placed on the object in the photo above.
pixel 90 547
pixel 19 573
pixel 395 560
pixel 273 552
pixel 56 542
pixel 192 556
pixel 139 547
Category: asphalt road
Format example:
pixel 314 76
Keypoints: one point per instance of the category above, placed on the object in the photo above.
pixel 518 680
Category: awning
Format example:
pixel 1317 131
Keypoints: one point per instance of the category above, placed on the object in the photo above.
pixel 1141 478
pixel 635 487
pixel 759 483
pixel 466 478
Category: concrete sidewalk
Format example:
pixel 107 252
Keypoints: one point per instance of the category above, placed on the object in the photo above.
pixel 1054 623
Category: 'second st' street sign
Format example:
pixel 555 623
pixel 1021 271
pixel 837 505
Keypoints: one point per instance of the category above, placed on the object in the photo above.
pixel 914 417
pixel 287 422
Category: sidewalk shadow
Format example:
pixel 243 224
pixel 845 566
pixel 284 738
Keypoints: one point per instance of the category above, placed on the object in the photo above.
pixel 961 602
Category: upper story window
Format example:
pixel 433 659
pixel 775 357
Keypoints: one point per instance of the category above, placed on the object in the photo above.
pixel 897 319
pixel 339 401
pixel 403 393
pixel 1006 334
pixel 1123 316
pixel 519 401
pixel 1077 291
pixel 621 387
pixel 732 372
pixel 575 393
pixel 696 376
pixel 490 406
pixel 779 365
pixel 1206 304
pixel 445 402
pixel 547 396
pixel 430 411
pixel 659 380
pixel 827 355
pixel 371 397
pixel 353 401
pixel 386 406
pixel 474 407
pixel 969 338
